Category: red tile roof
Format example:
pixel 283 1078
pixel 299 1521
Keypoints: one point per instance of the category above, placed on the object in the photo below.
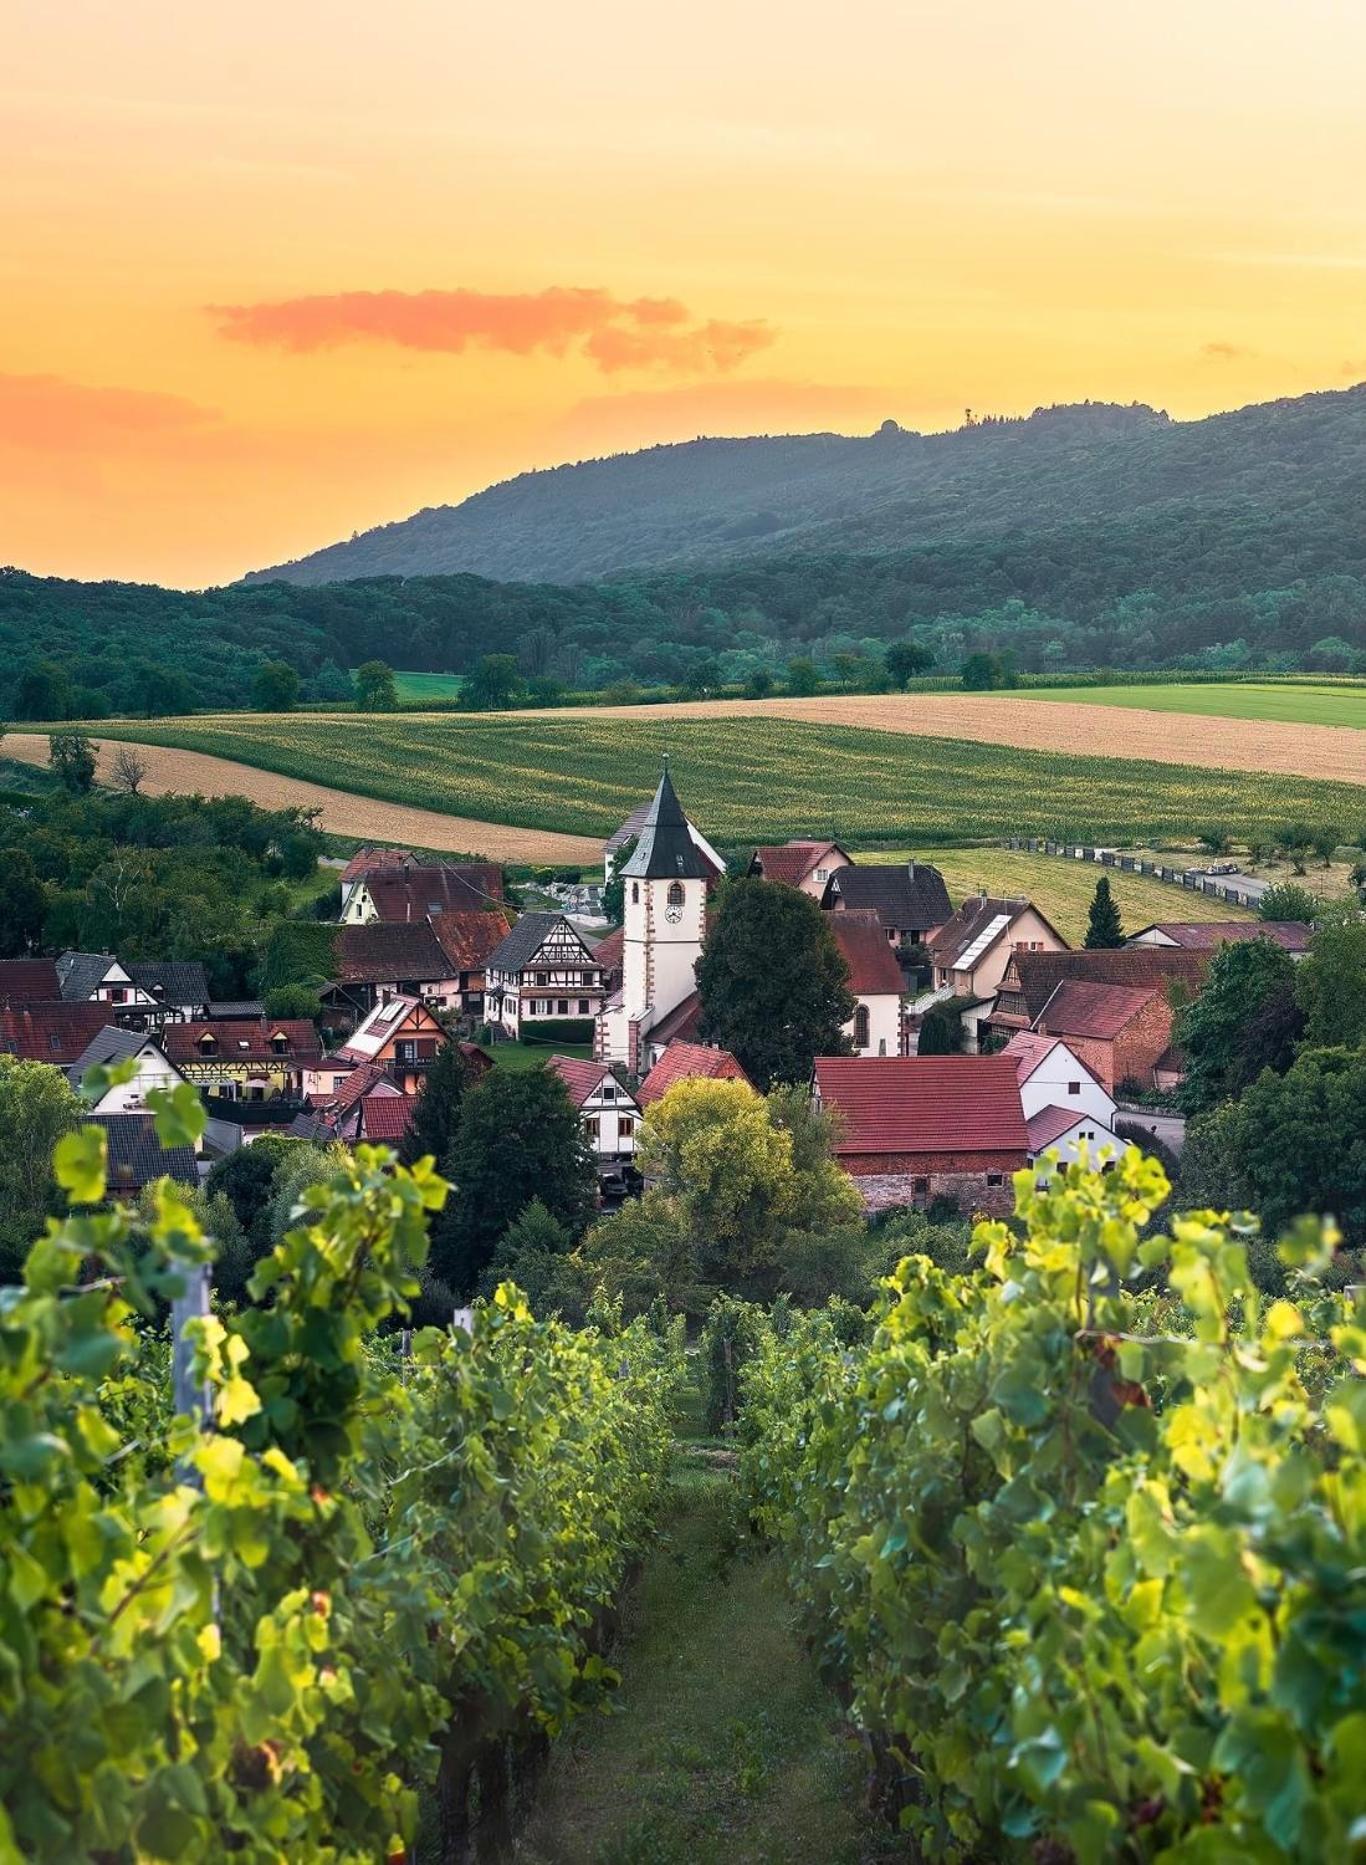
pixel 28 981
pixel 608 951
pixel 241 1041
pixel 873 970
pixel 682 1021
pixel 924 1104
pixel 467 938
pixel 1097 1011
pixel 684 1061
pixel 1028 1048
pixel 385 1118
pixel 580 1077
pixel 412 893
pixel 1205 935
pixel 356 1086
pixel 369 860
pixel 791 862
pixel 59 1033
pixel 1040 973
pixel 1050 1123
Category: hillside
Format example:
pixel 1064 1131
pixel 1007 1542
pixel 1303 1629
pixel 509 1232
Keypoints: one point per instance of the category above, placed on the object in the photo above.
pixel 720 500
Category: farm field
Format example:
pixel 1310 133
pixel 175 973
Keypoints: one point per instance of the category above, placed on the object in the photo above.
pixel 1061 889
pixel 762 777
pixel 420 686
pixel 1293 702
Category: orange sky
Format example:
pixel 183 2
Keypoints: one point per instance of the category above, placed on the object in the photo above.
pixel 270 273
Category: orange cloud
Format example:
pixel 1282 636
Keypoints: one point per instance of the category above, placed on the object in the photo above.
pixel 613 333
pixel 57 415
pixel 1221 351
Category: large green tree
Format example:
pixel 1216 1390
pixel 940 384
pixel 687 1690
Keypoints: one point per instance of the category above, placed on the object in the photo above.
pixel 1298 1141
pixel 376 688
pixel 37 1106
pixel 72 757
pixel 1104 928
pixel 275 687
pixel 23 903
pixel 904 660
pixel 1330 984
pixel 1244 1020
pixel 519 1139
pixel 436 1118
pixel 773 984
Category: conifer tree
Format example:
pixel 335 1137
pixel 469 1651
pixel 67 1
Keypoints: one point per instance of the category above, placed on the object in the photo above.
pixel 1103 928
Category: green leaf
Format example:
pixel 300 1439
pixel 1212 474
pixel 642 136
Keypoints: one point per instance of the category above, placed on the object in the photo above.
pixel 79 1162
pixel 179 1114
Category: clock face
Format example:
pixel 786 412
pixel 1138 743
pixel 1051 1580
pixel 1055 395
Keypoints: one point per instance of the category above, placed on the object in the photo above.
pixel 674 913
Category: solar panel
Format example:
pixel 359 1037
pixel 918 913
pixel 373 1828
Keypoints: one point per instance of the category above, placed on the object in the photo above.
pixel 989 934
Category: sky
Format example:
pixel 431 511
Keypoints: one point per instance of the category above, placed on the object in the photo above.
pixel 274 273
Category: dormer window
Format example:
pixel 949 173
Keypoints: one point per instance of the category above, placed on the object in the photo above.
pixel 208 1045
pixel 279 1042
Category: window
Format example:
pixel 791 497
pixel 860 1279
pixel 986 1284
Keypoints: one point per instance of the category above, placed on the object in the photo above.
pixel 920 1185
pixel 625 1126
pixel 993 1178
pixel 609 1091
pixel 861 1027
pixel 543 977
pixel 583 1006
pixel 635 893
pixel 1074 1087
pixel 822 874
pixel 562 1005
pixel 590 1127
pixel 118 997
pixel 405 1051
pixel 675 893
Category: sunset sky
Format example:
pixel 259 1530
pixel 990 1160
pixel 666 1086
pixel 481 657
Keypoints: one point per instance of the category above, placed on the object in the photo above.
pixel 271 273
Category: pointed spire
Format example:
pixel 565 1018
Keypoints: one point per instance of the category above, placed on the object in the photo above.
pixel 666 849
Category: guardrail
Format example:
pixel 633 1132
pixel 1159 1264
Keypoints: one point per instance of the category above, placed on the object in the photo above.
pixel 1115 858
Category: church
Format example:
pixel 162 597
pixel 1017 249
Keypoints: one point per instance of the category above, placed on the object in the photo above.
pixel 666 884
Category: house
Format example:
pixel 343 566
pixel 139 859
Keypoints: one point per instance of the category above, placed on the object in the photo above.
pixel 347 1113
pixel 631 831
pixel 875 979
pixel 1031 977
pixel 1065 1105
pixel 245 1061
pixel 608 1112
pixel 911 903
pixel 154 1068
pixel 665 885
pixel 539 972
pixel 178 987
pixel 99 978
pixel 369 860
pixel 1293 936
pixel 806 866
pixel 136 1157
pixel 684 1061
pixel 1118 1030
pixel 971 951
pixel 59 1033
pixel 401 1035
pixel 440 960
pixel 29 981
pixel 418 891
pixel 919 1128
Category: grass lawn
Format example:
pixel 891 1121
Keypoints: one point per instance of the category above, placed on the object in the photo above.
pixel 1329 704
pixel 528 1055
pixel 424 686
pixel 1062 889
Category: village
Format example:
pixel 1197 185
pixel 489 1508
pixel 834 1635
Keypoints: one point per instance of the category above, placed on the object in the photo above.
pixel 978 1043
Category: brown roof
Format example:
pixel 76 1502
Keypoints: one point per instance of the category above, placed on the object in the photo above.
pixel 873 970
pixel 357 1085
pixel 467 938
pixel 580 1077
pixel 1027 1049
pixel 57 1032
pixel 28 981
pixel 412 893
pixel 971 926
pixel 136 1156
pixel 791 862
pixel 682 1021
pixel 907 897
pixel 1204 935
pixel 1098 1011
pixel 1050 1123
pixel 369 860
pixel 608 951
pixel 241 1041
pixel 923 1104
pixel 386 952
pixel 684 1061
pixel 1041 973
pixel 386 1118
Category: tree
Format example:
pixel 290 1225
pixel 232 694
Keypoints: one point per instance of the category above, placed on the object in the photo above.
pixel 298 1001
pixel 128 770
pixel 1298 1141
pixel 758 683
pixel 1294 840
pixel 246 1179
pixel 1244 1020
pixel 980 672
pixel 275 687
pixel 43 692
pixel 535 1253
pixel 904 660
pixel 941 1028
pixel 440 1102
pixel 495 684
pixel 1104 928
pixel 614 894
pixel 802 677
pixel 1287 901
pixel 1330 983
pixel 1216 841
pixel 72 757
pixel 773 985
pixel 644 1254
pixel 37 1107
pixel 519 1139
pixel 1324 842
pixel 23 905
pixel 376 688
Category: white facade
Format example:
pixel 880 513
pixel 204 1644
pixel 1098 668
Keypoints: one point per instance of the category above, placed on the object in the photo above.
pixel 1060 1080
pixel 875 1027
pixel 665 923
pixel 611 1120
pixel 1088 1137
pixel 561 980
pixel 154 1070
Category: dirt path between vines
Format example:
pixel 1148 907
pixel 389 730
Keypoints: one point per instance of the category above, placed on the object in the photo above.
pixel 1319 751
pixel 341 812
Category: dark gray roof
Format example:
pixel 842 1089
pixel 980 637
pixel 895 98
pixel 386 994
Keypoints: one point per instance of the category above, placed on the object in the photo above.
pixel 181 982
pixel 521 945
pixel 136 1156
pixel 914 896
pixel 225 1009
pixel 666 849
pixel 80 974
pixel 108 1045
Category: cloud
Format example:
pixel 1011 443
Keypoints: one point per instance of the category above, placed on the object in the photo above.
pixel 613 333
pixel 54 414
pixel 1222 352
pixel 763 405
pixel 1355 367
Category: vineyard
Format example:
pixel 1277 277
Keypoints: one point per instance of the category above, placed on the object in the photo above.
pixel 754 779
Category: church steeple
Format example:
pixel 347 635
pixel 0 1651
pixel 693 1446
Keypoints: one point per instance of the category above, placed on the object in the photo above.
pixel 666 849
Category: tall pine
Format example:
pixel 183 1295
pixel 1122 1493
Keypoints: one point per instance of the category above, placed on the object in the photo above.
pixel 1103 928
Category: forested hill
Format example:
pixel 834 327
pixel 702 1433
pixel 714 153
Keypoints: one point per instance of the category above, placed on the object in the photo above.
pixel 719 501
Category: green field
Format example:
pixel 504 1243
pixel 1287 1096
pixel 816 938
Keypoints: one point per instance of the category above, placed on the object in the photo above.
pixel 1293 702
pixel 414 687
pixel 753 779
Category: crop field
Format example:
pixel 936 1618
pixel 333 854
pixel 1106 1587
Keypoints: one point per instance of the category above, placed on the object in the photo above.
pixel 759 778
pixel 1062 889
pixel 428 686
pixel 1291 701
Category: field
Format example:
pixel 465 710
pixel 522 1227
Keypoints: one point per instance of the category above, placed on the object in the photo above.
pixel 1062 890
pixel 1292 702
pixel 758 778
pixel 413 687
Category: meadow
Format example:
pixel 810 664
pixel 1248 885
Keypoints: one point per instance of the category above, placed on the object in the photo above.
pixel 756 777
pixel 423 688
pixel 1288 702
